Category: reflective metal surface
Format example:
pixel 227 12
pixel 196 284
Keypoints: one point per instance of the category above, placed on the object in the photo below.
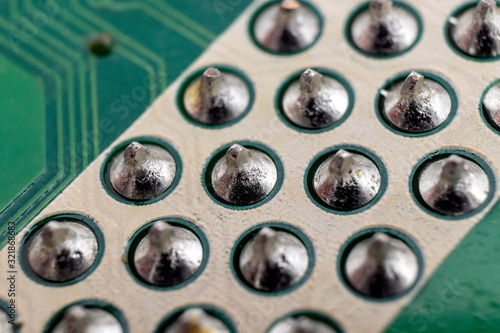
pixel 381 266
pixel 453 186
pixel 62 251
pixel 347 180
pixel 78 319
pixel 168 255
pixel 315 101
pixel 142 172
pixel 273 260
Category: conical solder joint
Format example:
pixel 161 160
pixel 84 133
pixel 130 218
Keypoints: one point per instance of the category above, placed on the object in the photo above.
pixel 286 27
pixel 347 180
pixel 216 97
pixel 476 31
pixel 381 266
pixel 453 186
pixel 142 172
pixel 244 176
pixel 273 260
pixel 168 255
pixel 62 251
pixel 384 29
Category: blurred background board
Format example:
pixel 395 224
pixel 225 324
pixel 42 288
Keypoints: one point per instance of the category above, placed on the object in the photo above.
pixel 75 74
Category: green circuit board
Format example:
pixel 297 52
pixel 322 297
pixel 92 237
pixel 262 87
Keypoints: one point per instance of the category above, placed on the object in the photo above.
pixel 75 74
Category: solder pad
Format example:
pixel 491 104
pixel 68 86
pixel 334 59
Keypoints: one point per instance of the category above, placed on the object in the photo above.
pixel 145 308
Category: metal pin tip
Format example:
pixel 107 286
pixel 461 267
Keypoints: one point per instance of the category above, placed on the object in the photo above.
pixel 75 313
pixel 417 104
pixel 159 232
pixel 168 255
pixel 310 81
pixel 135 153
pixel 381 266
pixel 380 8
pixel 273 260
pixel 142 172
pixel 453 169
pixel 484 8
pixel 197 320
pixel 244 176
pixel 52 234
pixel 216 97
pixel 286 27
pixel 341 162
pixel 413 85
pixel 315 101
pixel 453 186
pixel 379 246
pixel 62 251
pixel 384 29
pixel 264 235
pixel 236 152
pixel 210 75
pixel 347 180
pixel 475 31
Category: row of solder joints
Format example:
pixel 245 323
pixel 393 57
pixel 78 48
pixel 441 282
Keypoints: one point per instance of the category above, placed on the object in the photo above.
pixel 380 28
pixel 270 258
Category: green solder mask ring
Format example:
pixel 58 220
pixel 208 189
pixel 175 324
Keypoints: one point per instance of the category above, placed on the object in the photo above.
pixel 269 4
pixel 66 217
pixel 393 81
pixel 439 155
pixel 89 304
pixel 119 149
pixel 195 76
pixel 323 156
pixel 248 235
pixel 448 35
pixel 206 176
pixel 364 7
pixel 296 76
pixel 144 230
pixel 367 233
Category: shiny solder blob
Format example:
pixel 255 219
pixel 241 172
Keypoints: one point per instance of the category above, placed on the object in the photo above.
pixel 416 105
pixel 286 27
pixel 142 171
pixel 273 260
pixel 62 251
pixel 315 101
pixel 168 255
pixel 196 320
pixel 301 324
pixel 216 97
pixel 79 319
pixel 491 105
pixel 384 29
pixel 381 266
pixel 476 31
pixel 453 186
pixel 347 180
pixel 244 175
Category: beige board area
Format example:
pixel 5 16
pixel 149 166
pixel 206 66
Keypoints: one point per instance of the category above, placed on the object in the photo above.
pixel 324 292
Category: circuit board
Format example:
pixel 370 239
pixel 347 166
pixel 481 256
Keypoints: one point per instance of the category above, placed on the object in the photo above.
pixel 81 85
